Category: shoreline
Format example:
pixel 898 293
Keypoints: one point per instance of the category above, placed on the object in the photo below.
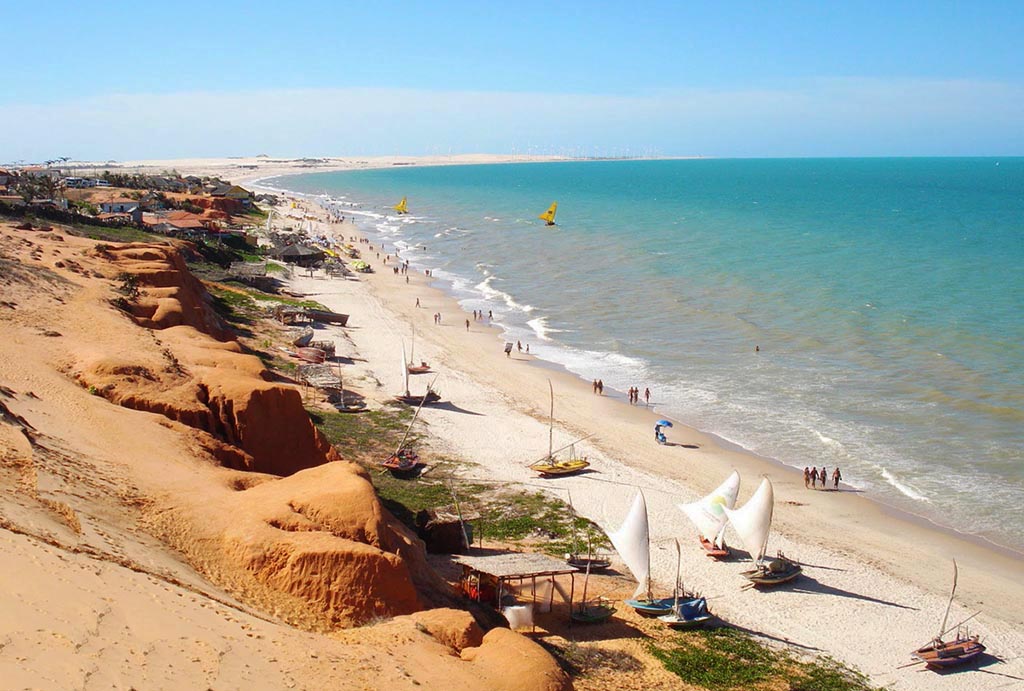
pixel 869 565
pixel 859 559
pixel 905 514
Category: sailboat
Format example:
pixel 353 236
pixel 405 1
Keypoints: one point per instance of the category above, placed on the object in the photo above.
pixel 633 543
pixel 688 613
pixel 549 466
pixel 939 653
pixel 413 368
pixel 401 207
pixel 404 462
pixel 430 396
pixel 549 215
pixel 753 523
pixel 577 560
pixel 593 611
pixel 709 516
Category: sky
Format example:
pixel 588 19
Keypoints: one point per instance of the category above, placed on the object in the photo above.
pixel 123 81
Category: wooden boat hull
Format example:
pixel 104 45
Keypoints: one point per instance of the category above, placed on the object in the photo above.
pixel 941 654
pixel 593 613
pixel 313 355
pixel 659 606
pixel 714 552
pixel 405 463
pixel 303 339
pixel 560 468
pixel 425 399
pixel 775 572
pixel 327 317
pixel 689 615
pixel 418 369
pixel 583 563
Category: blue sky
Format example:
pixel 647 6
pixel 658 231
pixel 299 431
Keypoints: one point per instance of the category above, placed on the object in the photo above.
pixel 145 80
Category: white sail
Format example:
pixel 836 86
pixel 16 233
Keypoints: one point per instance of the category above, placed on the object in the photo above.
pixel 405 372
pixel 633 543
pixel 753 521
pixel 708 513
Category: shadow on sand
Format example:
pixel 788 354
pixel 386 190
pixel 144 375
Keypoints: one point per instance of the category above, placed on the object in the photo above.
pixel 808 584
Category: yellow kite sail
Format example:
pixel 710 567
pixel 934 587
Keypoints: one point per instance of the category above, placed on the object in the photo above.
pixel 549 215
pixel 401 208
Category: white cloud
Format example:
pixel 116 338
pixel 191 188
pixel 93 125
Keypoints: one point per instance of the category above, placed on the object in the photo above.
pixel 825 117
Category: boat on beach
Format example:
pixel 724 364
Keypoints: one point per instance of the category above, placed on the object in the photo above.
pixel 576 558
pixel 596 611
pixel 312 355
pixel 708 514
pixel 753 523
pixel 423 367
pixel 430 396
pixel 326 316
pixel 963 647
pixel 304 337
pixel 549 466
pixel 633 543
pixel 687 613
pixel 404 462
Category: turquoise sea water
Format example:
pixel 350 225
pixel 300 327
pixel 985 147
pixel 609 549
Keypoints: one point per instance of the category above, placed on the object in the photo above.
pixel 886 296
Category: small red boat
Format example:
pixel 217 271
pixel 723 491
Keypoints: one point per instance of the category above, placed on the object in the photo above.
pixel 314 355
pixel 714 551
pixel 941 654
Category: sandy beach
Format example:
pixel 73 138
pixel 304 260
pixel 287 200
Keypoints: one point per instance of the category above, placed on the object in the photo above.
pixel 884 575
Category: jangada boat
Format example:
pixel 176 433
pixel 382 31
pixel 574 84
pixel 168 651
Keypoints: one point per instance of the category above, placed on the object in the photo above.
pixel 708 514
pixel 402 207
pixel 404 462
pixel 687 613
pixel 588 562
pixel 939 654
pixel 422 368
pixel 594 611
pixel 313 355
pixel 430 396
pixel 633 543
pixel 549 466
pixel 753 523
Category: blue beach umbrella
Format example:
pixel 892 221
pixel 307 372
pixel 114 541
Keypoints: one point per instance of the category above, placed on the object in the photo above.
pixel 663 423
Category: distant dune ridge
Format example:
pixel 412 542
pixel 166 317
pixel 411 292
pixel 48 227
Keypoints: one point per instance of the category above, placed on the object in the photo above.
pixel 199 450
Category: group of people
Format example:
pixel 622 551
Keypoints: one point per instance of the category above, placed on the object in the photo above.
pixel 812 477
pixel 478 315
pixel 598 386
pixel 634 395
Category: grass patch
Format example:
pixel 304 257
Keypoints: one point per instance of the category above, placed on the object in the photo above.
pixel 112 234
pixel 727 660
pixel 505 515
pixel 366 436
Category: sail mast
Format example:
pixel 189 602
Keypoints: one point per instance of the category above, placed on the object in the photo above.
pixel 942 629
pixel 551 420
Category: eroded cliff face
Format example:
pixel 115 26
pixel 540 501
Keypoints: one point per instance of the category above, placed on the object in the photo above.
pixel 224 466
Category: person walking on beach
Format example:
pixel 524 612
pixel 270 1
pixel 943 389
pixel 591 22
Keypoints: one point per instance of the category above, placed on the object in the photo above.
pixel 647 396
pixel 490 315
pixel 417 302
pixel 595 386
pixel 467 325
pixel 519 347
pixel 807 477
pixel 836 477
pixel 823 476
pixel 814 478
pixel 600 387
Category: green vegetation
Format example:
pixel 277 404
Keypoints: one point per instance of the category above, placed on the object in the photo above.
pixel 727 660
pixel 506 515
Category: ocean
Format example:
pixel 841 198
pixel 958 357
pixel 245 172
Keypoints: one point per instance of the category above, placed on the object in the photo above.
pixel 860 313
